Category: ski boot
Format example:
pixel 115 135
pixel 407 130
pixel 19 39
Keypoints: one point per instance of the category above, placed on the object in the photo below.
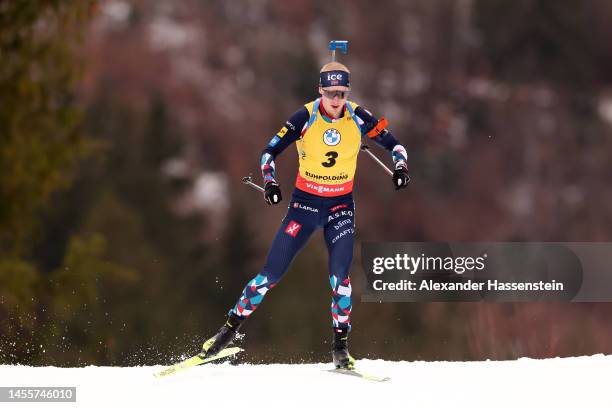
pixel 340 354
pixel 226 335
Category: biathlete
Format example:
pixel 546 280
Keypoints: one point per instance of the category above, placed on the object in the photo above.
pixel 328 134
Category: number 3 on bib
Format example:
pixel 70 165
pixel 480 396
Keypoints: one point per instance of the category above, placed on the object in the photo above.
pixel 331 159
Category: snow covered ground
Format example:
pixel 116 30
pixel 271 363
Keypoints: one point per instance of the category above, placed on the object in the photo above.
pixel 567 382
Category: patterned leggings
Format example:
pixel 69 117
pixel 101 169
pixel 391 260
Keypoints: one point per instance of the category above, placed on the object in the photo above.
pixel 307 213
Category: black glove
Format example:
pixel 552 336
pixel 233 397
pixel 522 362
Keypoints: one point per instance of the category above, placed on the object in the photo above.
pixel 400 176
pixel 272 193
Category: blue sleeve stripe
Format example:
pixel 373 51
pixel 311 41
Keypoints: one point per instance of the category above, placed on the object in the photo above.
pixel 274 141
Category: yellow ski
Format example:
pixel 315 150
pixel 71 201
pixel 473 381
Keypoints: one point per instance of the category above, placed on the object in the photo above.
pixel 197 360
pixel 360 374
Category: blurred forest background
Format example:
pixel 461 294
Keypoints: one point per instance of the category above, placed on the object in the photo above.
pixel 125 127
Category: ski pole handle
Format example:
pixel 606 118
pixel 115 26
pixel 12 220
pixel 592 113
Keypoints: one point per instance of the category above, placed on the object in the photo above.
pixel 248 180
pixel 366 149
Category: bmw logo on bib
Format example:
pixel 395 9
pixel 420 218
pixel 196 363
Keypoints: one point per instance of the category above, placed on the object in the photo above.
pixel 331 137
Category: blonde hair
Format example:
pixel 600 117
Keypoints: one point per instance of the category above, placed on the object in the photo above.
pixel 335 66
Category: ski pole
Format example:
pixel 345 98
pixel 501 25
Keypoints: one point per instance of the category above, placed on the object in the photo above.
pixel 366 149
pixel 248 180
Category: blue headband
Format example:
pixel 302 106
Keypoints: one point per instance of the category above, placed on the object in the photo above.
pixel 334 78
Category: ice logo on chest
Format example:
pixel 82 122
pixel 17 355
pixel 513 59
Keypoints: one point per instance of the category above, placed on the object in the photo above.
pixel 331 137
